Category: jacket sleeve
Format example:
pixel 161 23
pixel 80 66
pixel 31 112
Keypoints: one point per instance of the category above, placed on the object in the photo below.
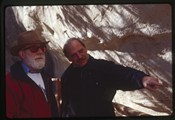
pixel 64 95
pixel 14 99
pixel 66 108
pixel 120 77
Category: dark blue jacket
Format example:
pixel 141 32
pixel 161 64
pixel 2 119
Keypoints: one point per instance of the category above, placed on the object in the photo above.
pixel 88 91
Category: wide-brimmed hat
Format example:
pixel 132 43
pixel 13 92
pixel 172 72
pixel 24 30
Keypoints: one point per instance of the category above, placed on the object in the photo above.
pixel 28 38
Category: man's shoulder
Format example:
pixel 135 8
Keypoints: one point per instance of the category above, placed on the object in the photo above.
pixel 102 62
pixel 10 81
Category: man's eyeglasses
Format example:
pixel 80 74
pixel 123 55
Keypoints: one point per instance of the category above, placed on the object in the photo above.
pixel 35 49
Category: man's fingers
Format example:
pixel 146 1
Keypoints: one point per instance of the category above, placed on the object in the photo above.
pixel 153 86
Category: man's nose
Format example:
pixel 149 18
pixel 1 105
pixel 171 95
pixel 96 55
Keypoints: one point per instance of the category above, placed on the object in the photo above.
pixel 79 56
pixel 40 50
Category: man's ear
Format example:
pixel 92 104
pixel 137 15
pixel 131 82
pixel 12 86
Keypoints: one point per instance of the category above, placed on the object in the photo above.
pixel 69 59
pixel 21 54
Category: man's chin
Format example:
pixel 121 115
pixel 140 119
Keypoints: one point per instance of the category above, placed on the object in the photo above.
pixel 82 64
pixel 39 66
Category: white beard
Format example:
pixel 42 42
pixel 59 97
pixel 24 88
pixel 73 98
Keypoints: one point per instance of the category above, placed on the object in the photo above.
pixel 35 63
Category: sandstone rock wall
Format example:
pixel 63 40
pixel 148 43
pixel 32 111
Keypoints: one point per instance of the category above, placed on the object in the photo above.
pixel 135 35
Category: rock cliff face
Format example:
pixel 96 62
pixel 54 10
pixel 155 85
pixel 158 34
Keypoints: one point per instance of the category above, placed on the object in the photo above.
pixel 138 36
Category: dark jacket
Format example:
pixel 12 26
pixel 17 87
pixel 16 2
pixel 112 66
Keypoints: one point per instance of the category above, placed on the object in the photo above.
pixel 25 99
pixel 88 91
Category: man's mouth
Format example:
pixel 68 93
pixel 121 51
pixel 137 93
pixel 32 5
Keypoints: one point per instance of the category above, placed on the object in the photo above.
pixel 39 58
pixel 81 60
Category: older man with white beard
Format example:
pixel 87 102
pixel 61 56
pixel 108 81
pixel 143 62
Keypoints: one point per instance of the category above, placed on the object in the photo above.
pixel 29 92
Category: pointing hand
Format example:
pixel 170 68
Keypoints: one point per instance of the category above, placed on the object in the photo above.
pixel 151 83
